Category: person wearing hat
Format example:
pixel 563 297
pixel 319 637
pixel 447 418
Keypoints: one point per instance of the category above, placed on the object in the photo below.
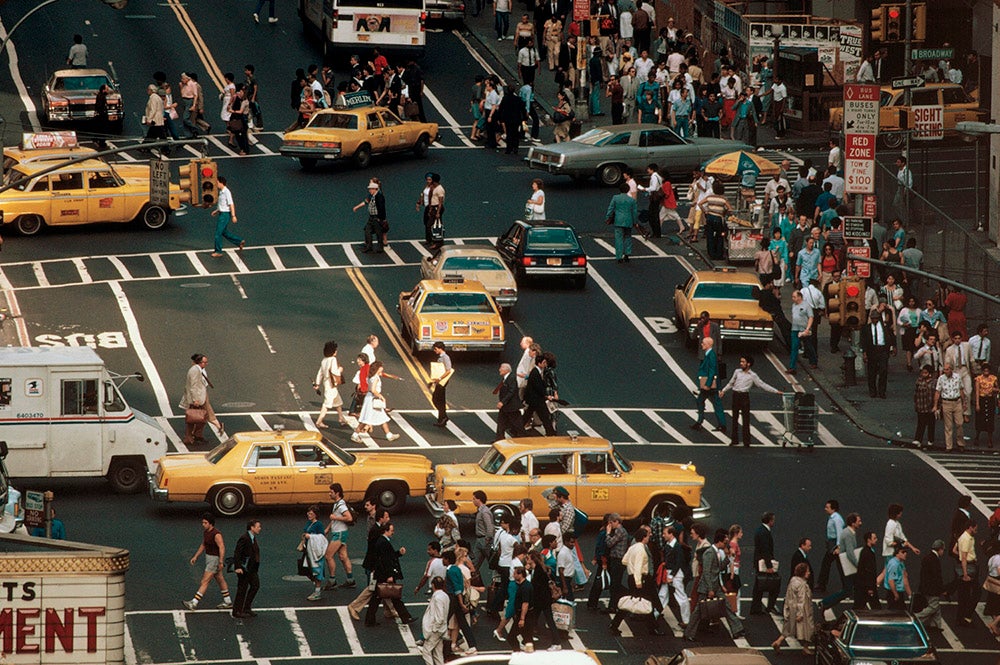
pixel 431 199
pixel 932 586
pixel 895 580
pixel 377 224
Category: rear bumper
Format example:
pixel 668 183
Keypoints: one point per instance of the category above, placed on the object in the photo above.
pixel 310 153
pixel 460 345
pixel 506 301
pixel 740 333
pixel 156 493
pixel 539 271
pixel 436 509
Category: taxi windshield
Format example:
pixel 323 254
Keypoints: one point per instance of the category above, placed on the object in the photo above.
pixel 476 303
pixel 472 263
pixel 552 238
pixel 724 291
pixel 880 635
pixel 80 82
pixel 334 121
pixel 215 455
pixel 492 461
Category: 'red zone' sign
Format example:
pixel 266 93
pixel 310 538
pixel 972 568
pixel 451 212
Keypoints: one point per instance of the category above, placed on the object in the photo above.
pixel 859 166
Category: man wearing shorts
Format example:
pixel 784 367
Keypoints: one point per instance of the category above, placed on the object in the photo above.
pixel 215 553
pixel 340 520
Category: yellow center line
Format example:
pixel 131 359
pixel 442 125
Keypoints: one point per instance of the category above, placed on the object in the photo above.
pixel 199 44
pixel 382 316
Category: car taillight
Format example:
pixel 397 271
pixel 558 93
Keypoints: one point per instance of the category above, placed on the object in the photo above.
pixel 508 292
pixel 59 102
pixel 526 261
pixel 336 15
pixel 425 332
pixel 496 332
pixel 581 260
pixel 423 19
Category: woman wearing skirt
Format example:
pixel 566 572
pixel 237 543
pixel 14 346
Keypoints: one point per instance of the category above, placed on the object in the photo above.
pixel 986 404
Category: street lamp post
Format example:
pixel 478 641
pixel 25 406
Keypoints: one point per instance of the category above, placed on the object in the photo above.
pixel 776 52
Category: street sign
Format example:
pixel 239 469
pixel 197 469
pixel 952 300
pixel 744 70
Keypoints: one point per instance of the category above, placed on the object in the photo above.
pixel 869 205
pixel 34 508
pixel 861 109
pixel 159 182
pixel 908 82
pixel 861 116
pixel 857 228
pixel 933 53
pixel 859 169
pixel 859 268
pixel 928 122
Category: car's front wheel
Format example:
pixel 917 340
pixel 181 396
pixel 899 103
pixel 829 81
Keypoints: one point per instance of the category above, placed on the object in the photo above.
pixel 663 507
pixel 153 217
pixel 422 146
pixel 363 156
pixel 389 495
pixel 610 174
pixel 29 225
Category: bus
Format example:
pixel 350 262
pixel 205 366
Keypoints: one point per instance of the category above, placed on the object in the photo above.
pixel 392 26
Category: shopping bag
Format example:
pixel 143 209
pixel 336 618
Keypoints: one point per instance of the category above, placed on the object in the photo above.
pixel 635 605
pixel 564 615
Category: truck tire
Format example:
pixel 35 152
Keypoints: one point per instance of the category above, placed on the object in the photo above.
pixel 229 500
pixel 127 476
pixel 390 495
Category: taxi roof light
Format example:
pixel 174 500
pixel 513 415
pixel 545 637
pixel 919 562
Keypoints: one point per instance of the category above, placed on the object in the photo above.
pixel 453 279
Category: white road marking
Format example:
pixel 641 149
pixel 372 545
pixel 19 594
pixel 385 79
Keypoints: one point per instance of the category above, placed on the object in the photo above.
pixel 237 259
pixel 123 271
pixel 459 434
pixel 239 287
pixel 307 422
pixel 580 422
pixel 15 73
pixel 448 118
pixel 81 268
pixel 666 427
pixel 272 254
pixel 409 430
pixel 351 256
pixel 183 635
pixel 672 623
pixel 575 641
pixel 263 148
pixel 391 253
pixel 161 267
pixel 693 414
pixel 643 329
pixel 411 644
pixel 367 439
pixel 349 632
pixel 487 420
pixel 419 246
pixel 241 642
pixel 130 652
pixel 739 641
pixel 171 434
pixel 317 257
pixel 779 623
pixel 148 366
pixel 623 426
pixel 199 267
pixel 606 245
pixel 476 56
pixel 297 632
pixel 261 424
pixel 652 246
pixel 219 144
pixel 191 151
pixel 952 480
pixel 4 282
pixel 267 340
pixel 827 437
pixel 950 635
pixel 626 629
pixel 40 277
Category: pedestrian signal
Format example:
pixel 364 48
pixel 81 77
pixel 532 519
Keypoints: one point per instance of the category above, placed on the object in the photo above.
pixel 208 174
pixel 852 303
pixel 189 182
pixel 835 303
pixel 878 24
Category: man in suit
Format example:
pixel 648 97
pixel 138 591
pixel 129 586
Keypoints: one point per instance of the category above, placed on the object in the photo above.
pixel 932 586
pixel 801 555
pixel 385 558
pixel 875 347
pixel 713 562
pixel 509 404
pixel 763 551
pixel 708 386
pixel 866 579
pixel 246 558
pixel 535 398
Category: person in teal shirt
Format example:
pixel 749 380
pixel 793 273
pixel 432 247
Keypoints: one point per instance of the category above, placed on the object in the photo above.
pixel 626 215
pixel 779 247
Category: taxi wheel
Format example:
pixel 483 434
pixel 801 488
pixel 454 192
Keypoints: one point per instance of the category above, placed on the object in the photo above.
pixel 127 477
pixel 610 174
pixel 363 156
pixel 29 225
pixel 391 496
pixel 663 506
pixel 422 146
pixel 501 511
pixel 229 500
pixel 153 217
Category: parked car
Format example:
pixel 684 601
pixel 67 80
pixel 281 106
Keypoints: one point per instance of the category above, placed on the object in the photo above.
pixel 71 94
pixel 867 637
pixel 286 468
pixel 474 262
pixel 544 248
pixel 730 298
pixel 605 152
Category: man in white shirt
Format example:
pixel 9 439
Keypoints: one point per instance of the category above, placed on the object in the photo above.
pixel 865 72
pixel 643 65
pixel 528 519
pixel 435 567
pixel 959 356
pixel 837 184
pixel 566 565
pixel 674 61
pixel 77 57
pixel 835 157
pixel 771 188
pixel 526 363
pixel 779 93
pixel 435 624
pixel 527 62
pixel 226 212
pixel 979 347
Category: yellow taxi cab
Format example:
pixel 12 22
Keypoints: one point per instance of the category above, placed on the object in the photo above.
pixel 88 192
pixel 43 147
pixel 286 468
pixel 730 298
pixel 459 312
pixel 356 131
pixel 895 115
pixel 481 263
pixel 598 477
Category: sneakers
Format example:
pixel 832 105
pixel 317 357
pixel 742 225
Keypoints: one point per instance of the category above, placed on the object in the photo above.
pixel 391 436
pixel 224 606
pixel 256 19
pixel 330 585
pixel 555 647
pixel 315 595
pixel 349 584
pixel 471 652
pixel 272 21
pixel 190 605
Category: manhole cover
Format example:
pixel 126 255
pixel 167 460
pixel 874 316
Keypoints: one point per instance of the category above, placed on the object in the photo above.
pixel 196 285
pixel 239 405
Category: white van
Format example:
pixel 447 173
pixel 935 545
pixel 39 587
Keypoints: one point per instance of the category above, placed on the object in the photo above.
pixel 62 415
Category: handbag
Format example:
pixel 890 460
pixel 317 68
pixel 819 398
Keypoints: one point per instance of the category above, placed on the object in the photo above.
pixel 992 584
pixel 378 404
pixel 389 590
pixel 411 109
pixel 733 601
pixel 768 582
pixel 555 590
pixel 635 605
pixel 712 608
pixel 564 615
pixel 195 415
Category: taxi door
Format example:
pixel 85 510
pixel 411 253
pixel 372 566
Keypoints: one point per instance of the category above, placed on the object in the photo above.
pixel 399 135
pixel 600 488
pixel 551 469
pixel 105 198
pixel 69 199
pixel 377 133
pixel 268 473
pixel 315 470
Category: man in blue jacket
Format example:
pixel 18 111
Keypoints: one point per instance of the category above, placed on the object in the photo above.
pixel 622 214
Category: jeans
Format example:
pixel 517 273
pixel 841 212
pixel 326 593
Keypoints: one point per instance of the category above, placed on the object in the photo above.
pixel 501 23
pixel 222 231
pixel 797 343
pixel 683 128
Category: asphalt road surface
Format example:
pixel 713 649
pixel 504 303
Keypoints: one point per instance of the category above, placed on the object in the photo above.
pixel 148 300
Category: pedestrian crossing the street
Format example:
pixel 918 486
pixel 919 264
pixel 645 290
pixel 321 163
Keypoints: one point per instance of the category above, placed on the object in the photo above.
pixel 318 632
pixel 74 271
pixel 477 428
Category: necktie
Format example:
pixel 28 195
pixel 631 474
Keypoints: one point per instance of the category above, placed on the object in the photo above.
pixel 961 355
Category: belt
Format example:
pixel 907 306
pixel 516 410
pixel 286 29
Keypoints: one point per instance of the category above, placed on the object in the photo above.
pixel 950 399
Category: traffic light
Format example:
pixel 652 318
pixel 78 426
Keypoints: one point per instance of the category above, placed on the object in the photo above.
pixel 893 23
pixel 189 182
pixel 878 24
pixel 919 33
pixel 208 176
pixel 835 304
pixel 852 303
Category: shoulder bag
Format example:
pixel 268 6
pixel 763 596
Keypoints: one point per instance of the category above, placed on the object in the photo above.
pixel 635 605
pixel 712 608
pixel 378 404
pixel 389 590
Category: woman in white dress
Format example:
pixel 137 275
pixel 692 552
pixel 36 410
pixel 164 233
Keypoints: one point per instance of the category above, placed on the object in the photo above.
pixel 536 202
pixel 373 410
pixel 327 379
pixel 227 94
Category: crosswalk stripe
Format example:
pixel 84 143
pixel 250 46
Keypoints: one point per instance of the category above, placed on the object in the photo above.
pixel 951 637
pixel 40 274
pixel 297 633
pixel 161 268
pixel 672 623
pixel 623 426
pixel 352 256
pixel 492 424
pixel 317 257
pixel 827 437
pixel 580 422
pixel 272 254
pixel 605 244
pixel 693 414
pixel 626 629
pixel 241 642
pixel 220 146
pixel 652 246
pixel 462 436
pixel 409 430
pixel 191 151
pixel 259 421
pixel 307 421
pixel 183 635
pixel 738 641
pixel 576 642
pixel 260 146
pixel 391 253
pixel 407 635
pixel 234 255
pixel 84 273
pixel 419 246
pixel 662 424
pixel 349 631
pixel 123 271
pixel 199 267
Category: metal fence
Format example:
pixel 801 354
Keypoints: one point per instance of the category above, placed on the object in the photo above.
pixel 952 248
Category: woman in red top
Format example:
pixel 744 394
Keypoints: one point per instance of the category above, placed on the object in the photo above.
pixel 955 302
pixel 828 263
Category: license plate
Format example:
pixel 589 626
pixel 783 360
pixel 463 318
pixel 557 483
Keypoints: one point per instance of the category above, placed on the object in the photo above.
pixel 459 347
pixel 731 324
pixel 436 14
pixel 554 262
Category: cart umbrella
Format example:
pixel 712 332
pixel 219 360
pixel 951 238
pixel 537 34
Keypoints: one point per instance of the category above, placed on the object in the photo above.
pixel 739 162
